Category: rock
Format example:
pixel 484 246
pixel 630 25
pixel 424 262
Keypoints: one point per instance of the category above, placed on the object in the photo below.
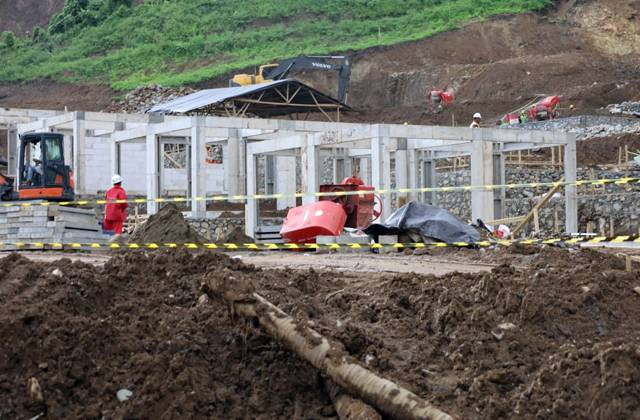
pixel 123 394
pixel 57 272
pixel 35 391
pixel 202 300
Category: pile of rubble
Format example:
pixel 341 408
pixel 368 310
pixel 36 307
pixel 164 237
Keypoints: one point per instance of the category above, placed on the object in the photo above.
pixel 625 108
pixel 586 126
pixel 143 98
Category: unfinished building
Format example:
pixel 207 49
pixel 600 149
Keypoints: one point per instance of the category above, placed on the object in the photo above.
pixel 387 156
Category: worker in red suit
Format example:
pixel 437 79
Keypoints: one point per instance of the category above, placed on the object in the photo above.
pixel 115 213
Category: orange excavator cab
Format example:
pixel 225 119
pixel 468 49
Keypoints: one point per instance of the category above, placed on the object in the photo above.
pixel 42 173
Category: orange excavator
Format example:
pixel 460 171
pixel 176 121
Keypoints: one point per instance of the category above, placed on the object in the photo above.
pixel 42 172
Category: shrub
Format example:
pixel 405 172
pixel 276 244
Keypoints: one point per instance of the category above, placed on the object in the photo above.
pixel 8 39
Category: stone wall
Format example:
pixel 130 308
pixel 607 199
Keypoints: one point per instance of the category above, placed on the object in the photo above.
pixel 600 205
pixel 216 230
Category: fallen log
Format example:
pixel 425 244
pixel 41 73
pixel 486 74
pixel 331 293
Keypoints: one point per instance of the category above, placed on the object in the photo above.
pixel 327 356
pixel 347 407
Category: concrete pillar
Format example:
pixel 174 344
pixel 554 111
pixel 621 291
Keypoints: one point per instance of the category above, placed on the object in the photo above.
pixel 381 167
pixel 570 191
pixel 79 133
pixel 499 194
pixel 402 171
pixel 198 174
pixel 309 161
pixel 269 174
pixel 12 149
pixel 286 181
pixel 251 208
pixel 114 149
pixel 114 156
pixel 429 179
pixel 412 166
pixel 386 177
pixel 481 174
pixel 152 172
pixel 233 179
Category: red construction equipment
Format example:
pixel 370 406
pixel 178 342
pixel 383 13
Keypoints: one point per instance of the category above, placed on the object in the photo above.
pixel 546 109
pixel 440 97
pixel 333 212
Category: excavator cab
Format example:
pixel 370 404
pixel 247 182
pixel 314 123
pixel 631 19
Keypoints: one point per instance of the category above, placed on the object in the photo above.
pixel 42 173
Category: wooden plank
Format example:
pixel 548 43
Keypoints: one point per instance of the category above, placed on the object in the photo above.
pixel 537 207
pixel 506 220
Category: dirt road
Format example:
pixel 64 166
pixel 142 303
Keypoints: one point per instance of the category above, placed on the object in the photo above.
pixel 362 263
pixel 351 263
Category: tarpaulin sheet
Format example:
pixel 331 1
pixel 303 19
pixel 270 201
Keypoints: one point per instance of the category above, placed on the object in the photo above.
pixel 426 220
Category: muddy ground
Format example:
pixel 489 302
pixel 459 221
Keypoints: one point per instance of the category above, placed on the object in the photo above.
pixel 547 334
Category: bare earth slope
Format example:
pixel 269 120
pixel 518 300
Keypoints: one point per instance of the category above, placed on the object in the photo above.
pixel 20 16
pixel 585 51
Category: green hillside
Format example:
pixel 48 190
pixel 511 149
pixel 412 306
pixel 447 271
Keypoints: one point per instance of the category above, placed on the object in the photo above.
pixel 185 41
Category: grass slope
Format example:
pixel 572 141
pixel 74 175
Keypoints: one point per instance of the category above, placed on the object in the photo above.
pixel 187 41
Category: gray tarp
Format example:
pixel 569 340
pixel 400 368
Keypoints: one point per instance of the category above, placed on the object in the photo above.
pixel 426 220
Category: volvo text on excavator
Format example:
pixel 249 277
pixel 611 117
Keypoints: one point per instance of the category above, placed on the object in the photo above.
pixel 42 173
pixel 278 71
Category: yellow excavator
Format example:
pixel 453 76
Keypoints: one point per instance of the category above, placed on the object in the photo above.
pixel 278 71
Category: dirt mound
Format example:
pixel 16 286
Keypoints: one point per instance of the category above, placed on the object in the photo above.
pixel 549 340
pixel 505 344
pixel 137 324
pixel 237 236
pixel 168 225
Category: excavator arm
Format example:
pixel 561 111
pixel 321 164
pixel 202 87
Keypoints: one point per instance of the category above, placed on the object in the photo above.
pixel 340 64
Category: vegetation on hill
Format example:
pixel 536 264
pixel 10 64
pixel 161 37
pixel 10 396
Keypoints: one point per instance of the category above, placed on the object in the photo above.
pixel 177 42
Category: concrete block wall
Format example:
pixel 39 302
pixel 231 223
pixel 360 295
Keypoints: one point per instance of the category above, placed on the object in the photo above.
pixel 96 168
pixel 132 167
pixel 96 164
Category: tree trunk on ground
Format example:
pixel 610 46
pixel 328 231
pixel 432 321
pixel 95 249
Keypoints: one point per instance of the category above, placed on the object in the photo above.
pixel 349 408
pixel 328 357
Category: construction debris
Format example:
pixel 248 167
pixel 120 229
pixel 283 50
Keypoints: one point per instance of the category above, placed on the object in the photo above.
pixel 140 100
pixel 168 225
pixel 625 108
pixel 50 224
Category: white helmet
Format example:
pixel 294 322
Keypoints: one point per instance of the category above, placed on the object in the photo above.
pixel 477 115
pixel 116 179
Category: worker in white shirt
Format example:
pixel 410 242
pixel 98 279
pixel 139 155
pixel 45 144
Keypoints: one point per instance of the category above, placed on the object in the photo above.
pixel 476 120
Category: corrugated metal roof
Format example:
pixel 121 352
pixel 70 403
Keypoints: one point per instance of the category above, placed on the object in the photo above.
pixel 209 97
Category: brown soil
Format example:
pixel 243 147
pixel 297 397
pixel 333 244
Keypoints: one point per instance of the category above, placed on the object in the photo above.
pixel 168 225
pixel 20 16
pixel 136 324
pixel 602 151
pixel 237 236
pixel 46 94
pixel 555 339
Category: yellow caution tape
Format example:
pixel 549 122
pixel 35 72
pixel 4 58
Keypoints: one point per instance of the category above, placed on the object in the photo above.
pixel 313 246
pixel 463 188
